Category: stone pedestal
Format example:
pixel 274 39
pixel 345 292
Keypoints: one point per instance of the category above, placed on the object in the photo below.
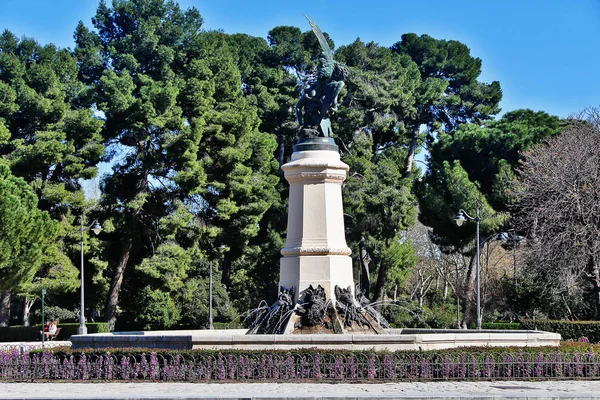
pixel 316 252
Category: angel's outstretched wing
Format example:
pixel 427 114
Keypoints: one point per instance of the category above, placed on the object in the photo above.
pixel 321 38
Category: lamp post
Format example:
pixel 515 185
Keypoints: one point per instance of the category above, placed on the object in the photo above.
pixel 210 316
pixel 460 219
pixel 96 228
pixel 43 322
pixel 457 300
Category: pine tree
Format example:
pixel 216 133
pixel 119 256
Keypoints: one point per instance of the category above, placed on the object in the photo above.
pixel 50 138
pixel 180 130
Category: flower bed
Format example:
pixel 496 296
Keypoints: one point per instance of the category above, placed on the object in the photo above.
pixel 570 361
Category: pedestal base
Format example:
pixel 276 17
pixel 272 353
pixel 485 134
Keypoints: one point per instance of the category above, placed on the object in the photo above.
pixel 327 271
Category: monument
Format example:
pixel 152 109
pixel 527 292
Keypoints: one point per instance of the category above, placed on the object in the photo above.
pixel 317 294
pixel 316 281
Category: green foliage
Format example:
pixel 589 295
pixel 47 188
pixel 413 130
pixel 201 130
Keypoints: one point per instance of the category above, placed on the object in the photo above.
pixel 190 121
pixel 476 165
pixel 157 310
pixel 444 192
pixel 56 313
pixel 50 137
pixel 51 140
pixel 378 199
pixel 400 258
pixel 441 316
pixel 569 330
pixel 410 315
pixel 176 289
pixel 565 348
pixel 498 145
pixel 449 93
pixel 185 134
pixel 501 325
pixel 228 325
pixel 26 233
pixel 169 265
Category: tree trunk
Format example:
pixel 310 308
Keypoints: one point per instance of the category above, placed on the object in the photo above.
pixel 594 274
pixel 225 263
pixel 110 312
pixel 112 299
pixel 364 269
pixel 281 153
pixel 412 149
pixel 469 300
pixel 468 297
pixel 5 298
pixel 380 285
pixel 27 304
pixel 446 287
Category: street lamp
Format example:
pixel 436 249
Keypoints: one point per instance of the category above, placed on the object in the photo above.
pixel 43 322
pixel 460 218
pixel 210 316
pixel 96 228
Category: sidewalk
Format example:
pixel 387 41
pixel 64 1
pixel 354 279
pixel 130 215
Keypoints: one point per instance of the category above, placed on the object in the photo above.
pixel 26 346
pixel 514 390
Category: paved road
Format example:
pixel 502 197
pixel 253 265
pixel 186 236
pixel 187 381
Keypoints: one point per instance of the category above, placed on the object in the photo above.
pixel 433 390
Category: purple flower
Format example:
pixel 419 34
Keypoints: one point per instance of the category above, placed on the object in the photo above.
pixel 371 372
pixel 154 372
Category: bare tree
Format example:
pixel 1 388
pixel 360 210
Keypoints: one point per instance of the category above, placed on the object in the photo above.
pixel 559 206
pixel 435 270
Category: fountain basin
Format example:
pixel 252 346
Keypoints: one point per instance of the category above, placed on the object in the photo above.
pixel 396 339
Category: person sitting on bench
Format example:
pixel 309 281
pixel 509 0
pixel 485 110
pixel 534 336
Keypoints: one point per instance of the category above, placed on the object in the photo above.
pixel 52 331
pixel 46 327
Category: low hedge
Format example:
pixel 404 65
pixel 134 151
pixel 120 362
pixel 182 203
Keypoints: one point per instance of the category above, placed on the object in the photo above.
pixel 569 330
pixel 501 325
pixel 569 361
pixel 32 333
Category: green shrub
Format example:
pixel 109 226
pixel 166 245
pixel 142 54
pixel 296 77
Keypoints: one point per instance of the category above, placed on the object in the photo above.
pixel 228 325
pixel 569 330
pixel 441 316
pixel 20 333
pixel 55 313
pixel 501 325
pixel 32 333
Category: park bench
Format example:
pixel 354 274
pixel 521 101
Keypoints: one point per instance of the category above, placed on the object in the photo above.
pixel 53 335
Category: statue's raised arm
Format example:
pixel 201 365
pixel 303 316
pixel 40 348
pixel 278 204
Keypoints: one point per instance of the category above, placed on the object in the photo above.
pixel 320 91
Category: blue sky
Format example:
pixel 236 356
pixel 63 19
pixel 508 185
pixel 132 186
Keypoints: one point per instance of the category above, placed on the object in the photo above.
pixel 546 54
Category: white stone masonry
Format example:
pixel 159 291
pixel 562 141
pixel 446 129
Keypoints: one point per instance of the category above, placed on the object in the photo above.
pixel 316 252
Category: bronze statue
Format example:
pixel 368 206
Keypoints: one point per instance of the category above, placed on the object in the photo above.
pixel 320 92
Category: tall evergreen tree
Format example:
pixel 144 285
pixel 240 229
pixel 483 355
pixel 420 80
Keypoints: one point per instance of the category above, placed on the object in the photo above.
pixel 26 232
pixel 378 200
pixel 448 94
pixel 179 129
pixel 50 138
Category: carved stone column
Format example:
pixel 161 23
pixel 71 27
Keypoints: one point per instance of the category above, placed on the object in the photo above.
pixel 316 252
